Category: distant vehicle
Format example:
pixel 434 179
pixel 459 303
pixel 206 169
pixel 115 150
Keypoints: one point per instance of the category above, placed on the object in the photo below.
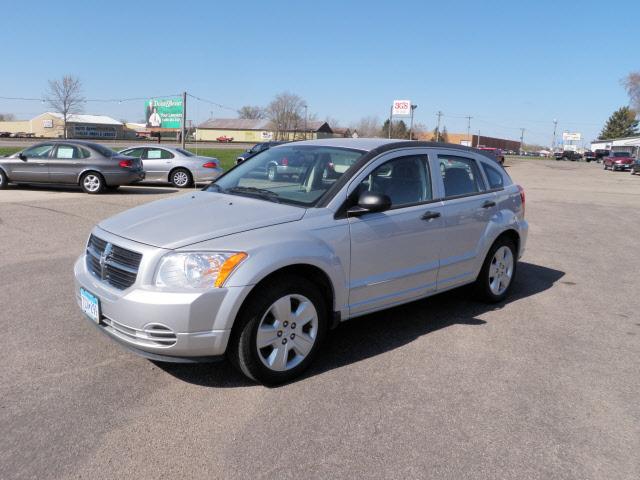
pixel 618 161
pixel 5 134
pixel 567 155
pixel 17 134
pixel 589 156
pixel 601 153
pixel 175 165
pixel 93 167
pixel 224 139
pixel 496 152
pixel 257 148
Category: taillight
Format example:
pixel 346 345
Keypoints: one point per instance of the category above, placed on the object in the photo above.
pixel 285 161
pixel 210 165
pixel 522 198
pixel 126 163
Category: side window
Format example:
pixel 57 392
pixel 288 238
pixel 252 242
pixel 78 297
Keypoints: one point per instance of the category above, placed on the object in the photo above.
pixel 157 153
pixel 134 152
pixel 39 151
pixel 494 177
pixel 67 151
pixel 460 175
pixel 404 180
pixel 85 153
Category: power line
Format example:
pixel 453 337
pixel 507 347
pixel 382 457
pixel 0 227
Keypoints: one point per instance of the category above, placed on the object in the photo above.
pixel 105 100
pixel 211 102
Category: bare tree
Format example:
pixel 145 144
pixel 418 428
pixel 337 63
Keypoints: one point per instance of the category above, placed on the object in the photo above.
pixel 366 127
pixel 65 97
pixel 251 111
pixel 632 83
pixel 7 117
pixel 286 113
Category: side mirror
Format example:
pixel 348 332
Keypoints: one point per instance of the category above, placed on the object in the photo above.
pixel 22 157
pixel 370 202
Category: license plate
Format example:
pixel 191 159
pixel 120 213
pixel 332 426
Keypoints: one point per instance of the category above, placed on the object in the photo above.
pixel 90 305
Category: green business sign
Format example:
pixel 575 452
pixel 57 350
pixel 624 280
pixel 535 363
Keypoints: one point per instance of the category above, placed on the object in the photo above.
pixel 163 112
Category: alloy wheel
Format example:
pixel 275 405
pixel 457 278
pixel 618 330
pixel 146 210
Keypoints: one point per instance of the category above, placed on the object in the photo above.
pixel 501 270
pixel 181 178
pixel 92 183
pixel 287 332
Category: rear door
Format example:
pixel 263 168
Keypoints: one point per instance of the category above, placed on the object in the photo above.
pixel 66 163
pixel 157 163
pixel 394 254
pixel 468 208
pixel 35 167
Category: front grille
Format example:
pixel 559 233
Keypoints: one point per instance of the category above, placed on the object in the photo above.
pixel 112 264
pixel 152 335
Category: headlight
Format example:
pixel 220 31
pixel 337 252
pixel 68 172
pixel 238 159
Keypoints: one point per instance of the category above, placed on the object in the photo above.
pixel 197 269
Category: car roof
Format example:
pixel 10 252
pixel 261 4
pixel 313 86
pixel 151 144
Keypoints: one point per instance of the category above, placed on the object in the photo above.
pixel 385 144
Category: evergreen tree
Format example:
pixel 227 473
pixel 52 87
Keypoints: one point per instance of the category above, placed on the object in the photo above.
pixel 621 123
pixel 399 130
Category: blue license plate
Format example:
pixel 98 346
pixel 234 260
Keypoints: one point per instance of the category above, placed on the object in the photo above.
pixel 90 305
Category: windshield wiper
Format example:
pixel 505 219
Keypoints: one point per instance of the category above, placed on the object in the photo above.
pixel 259 192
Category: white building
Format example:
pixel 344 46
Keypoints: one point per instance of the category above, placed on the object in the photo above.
pixel 628 144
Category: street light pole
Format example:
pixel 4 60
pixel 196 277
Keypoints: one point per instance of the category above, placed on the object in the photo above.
pixel 469 117
pixel 439 114
pixel 305 121
pixel 390 117
pixel 553 141
pixel 521 139
pixel 413 107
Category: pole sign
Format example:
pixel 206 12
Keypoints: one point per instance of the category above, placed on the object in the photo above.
pixel 164 113
pixel 401 107
pixel 571 137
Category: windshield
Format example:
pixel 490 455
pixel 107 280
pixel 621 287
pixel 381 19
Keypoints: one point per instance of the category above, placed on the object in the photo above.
pixel 186 153
pixel 620 154
pixel 298 175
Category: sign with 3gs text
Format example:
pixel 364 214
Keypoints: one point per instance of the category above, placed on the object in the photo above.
pixel 401 107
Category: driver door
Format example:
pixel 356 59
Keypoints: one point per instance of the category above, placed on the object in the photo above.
pixel 35 167
pixel 157 164
pixel 395 253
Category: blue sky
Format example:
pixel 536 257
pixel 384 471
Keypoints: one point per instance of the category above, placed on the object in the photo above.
pixel 508 64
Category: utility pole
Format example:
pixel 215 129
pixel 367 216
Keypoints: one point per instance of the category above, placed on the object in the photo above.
pixel 469 117
pixel 521 139
pixel 413 107
pixel 553 141
pixel 390 117
pixel 478 145
pixel 439 114
pixel 184 119
pixel 305 121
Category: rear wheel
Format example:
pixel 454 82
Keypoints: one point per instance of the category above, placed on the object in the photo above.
pixel 279 331
pixel 181 178
pixel 272 173
pixel 498 271
pixel 4 181
pixel 92 183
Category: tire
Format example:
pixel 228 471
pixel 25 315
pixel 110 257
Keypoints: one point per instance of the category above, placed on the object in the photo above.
pixel 264 358
pixel 4 181
pixel 181 178
pixel 92 183
pixel 272 173
pixel 604 165
pixel 502 258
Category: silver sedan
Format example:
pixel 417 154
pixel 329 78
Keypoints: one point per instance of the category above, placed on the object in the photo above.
pixel 175 165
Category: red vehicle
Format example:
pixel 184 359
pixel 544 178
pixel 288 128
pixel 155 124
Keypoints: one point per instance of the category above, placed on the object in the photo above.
pixel 618 161
pixel 224 139
pixel 496 152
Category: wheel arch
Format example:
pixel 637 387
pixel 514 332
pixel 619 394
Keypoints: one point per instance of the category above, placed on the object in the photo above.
pixel 89 170
pixel 180 167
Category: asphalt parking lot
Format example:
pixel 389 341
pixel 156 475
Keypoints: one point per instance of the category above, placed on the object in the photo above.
pixel 544 386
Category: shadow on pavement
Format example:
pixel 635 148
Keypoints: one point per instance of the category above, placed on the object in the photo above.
pixel 123 190
pixel 377 333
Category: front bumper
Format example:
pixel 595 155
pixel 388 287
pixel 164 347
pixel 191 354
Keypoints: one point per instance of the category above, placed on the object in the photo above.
pixel 172 326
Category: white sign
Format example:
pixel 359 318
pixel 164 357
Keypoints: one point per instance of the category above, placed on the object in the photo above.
pixel 466 143
pixel 267 135
pixel 47 123
pixel 401 107
pixel 571 137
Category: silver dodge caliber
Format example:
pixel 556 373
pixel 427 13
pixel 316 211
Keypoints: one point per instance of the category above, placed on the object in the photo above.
pixel 259 270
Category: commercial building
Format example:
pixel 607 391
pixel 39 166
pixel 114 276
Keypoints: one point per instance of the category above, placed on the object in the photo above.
pixel 476 141
pixel 257 130
pixel 51 125
pixel 628 144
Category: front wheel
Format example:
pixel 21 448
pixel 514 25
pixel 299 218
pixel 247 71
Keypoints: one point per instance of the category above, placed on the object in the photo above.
pixel 279 331
pixel 272 173
pixel 498 271
pixel 181 178
pixel 92 183
pixel 4 181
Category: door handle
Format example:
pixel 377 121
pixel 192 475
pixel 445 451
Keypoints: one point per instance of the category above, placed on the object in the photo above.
pixel 489 204
pixel 430 215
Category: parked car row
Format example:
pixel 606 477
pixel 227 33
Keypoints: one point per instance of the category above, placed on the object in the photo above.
pixel 96 168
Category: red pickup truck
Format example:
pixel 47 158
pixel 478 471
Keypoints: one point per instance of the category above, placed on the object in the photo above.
pixel 618 161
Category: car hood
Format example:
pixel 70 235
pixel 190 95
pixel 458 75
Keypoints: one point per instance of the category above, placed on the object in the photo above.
pixel 196 217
